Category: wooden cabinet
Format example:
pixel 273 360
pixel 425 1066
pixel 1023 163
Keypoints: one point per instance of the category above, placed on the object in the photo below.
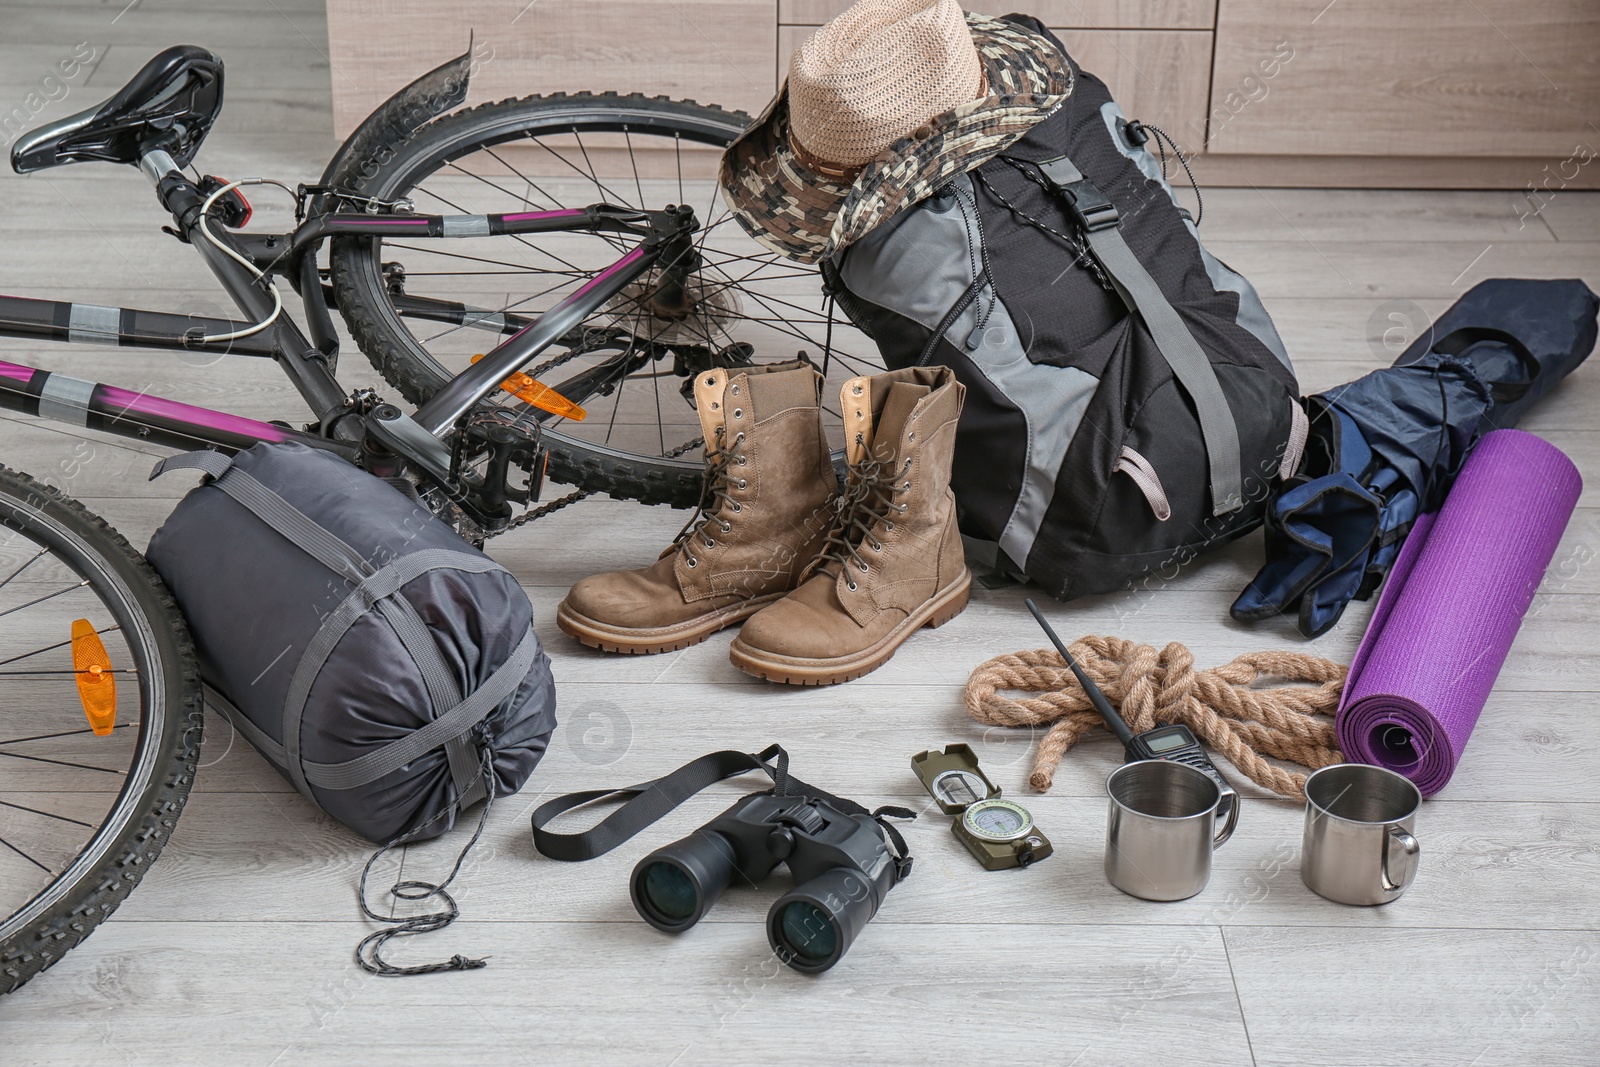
pixel 716 51
pixel 1427 93
pixel 1386 78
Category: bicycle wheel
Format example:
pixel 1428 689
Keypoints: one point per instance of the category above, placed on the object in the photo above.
pixel 82 814
pixel 641 439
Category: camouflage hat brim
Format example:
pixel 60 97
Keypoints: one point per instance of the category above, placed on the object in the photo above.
pixel 807 216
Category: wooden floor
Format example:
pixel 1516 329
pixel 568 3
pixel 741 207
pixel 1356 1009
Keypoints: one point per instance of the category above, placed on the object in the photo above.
pixel 237 948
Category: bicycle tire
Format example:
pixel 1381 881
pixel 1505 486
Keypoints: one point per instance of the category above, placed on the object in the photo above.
pixel 141 819
pixel 359 288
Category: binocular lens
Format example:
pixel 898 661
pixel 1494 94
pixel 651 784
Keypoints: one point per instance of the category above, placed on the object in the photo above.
pixel 675 885
pixel 808 931
pixel 812 926
pixel 669 891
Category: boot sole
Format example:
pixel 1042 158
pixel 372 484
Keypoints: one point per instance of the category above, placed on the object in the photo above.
pixel 645 641
pixel 793 670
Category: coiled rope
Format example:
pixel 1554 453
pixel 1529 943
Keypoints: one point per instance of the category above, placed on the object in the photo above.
pixel 1223 706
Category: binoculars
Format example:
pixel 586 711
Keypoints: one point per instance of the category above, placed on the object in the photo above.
pixel 841 864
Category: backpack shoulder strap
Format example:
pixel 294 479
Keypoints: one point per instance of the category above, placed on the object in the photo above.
pixel 1099 219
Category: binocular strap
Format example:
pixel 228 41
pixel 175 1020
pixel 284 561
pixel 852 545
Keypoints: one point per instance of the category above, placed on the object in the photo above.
pixel 646 802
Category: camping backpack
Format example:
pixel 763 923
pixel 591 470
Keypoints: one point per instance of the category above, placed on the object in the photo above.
pixel 1129 403
pixel 378 661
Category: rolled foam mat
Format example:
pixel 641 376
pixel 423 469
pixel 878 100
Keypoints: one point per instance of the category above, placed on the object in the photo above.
pixel 1452 606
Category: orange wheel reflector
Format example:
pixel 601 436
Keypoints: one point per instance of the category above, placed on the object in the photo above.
pixel 531 391
pixel 97 686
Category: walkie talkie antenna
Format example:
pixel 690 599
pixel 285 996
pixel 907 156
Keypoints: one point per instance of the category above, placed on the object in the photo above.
pixel 1097 698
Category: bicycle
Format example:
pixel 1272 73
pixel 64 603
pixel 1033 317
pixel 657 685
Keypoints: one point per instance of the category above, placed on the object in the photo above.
pixel 619 292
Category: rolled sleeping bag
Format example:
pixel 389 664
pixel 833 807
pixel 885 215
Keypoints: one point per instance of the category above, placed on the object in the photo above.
pixel 1452 606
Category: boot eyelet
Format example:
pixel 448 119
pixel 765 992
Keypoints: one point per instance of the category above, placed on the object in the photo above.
pixel 863 568
pixel 912 436
pixel 743 484
pixel 888 527
pixel 691 562
pixel 742 460
pixel 877 546
pixel 855 390
pixel 734 390
pixel 710 543
pixel 737 507
pixel 738 413
pixel 851 586
pixel 738 438
pixel 726 526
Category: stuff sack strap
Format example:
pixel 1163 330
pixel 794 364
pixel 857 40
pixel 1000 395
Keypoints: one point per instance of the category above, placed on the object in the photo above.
pixel 647 802
pixel 1099 219
pixel 375 589
pixel 449 726
pixel 282 516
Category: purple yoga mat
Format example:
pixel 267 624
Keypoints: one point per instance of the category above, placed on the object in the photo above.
pixel 1452 606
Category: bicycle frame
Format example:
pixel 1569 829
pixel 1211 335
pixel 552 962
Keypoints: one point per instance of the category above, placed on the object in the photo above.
pixel 421 441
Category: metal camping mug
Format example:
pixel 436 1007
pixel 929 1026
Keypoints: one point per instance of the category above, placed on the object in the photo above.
pixel 1358 846
pixel 1162 828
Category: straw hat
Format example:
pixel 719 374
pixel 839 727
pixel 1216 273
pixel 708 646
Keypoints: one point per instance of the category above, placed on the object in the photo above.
pixel 882 106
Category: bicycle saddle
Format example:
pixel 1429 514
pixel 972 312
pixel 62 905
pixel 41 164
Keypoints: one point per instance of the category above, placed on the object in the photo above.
pixel 169 105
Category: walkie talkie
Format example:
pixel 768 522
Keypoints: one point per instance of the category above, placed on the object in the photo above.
pixel 1174 741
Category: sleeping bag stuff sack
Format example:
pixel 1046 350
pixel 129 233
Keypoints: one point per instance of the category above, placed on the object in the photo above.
pixel 1129 402
pixel 379 662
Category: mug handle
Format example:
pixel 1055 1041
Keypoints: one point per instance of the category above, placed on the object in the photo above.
pixel 1409 851
pixel 1227 827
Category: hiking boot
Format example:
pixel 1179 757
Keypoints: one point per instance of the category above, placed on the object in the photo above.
pixel 893 561
pixel 763 515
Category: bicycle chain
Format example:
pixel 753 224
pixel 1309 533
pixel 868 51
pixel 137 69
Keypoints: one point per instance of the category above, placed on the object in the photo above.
pixel 534 514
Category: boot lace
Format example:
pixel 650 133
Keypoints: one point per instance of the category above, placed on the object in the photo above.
pixel 867 500
pixel 715 487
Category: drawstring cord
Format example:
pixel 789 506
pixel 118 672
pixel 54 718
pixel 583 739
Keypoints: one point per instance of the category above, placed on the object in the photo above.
pixel 369 951
pixel 1162 135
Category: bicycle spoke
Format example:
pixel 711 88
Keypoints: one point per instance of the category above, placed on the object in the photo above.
pixel 41 600
pixel 25 856
pixel 514 236
pixel 44 673
pixel 523 267
pixel 496 186
pixel 51 648
pixel 501 311
pixel 46 814
pixel 634 163
pixel 677 152
pixel 581 173
pixel 555 201
pixel 58 762
pixel 25 566
pixel 63 733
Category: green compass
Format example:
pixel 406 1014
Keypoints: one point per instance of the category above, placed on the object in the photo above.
pixel 999 833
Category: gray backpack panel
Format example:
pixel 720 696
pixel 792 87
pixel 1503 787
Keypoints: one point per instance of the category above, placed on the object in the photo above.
pixel 376 659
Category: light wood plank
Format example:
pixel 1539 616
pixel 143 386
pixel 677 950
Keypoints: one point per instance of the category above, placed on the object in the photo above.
pixel 1158 76
pixel 1385 172
pixel 1373 78
pixel 711 996
pixel 1381 996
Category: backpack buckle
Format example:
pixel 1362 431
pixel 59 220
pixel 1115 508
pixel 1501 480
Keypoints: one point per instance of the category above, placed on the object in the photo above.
pixel 1091 208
